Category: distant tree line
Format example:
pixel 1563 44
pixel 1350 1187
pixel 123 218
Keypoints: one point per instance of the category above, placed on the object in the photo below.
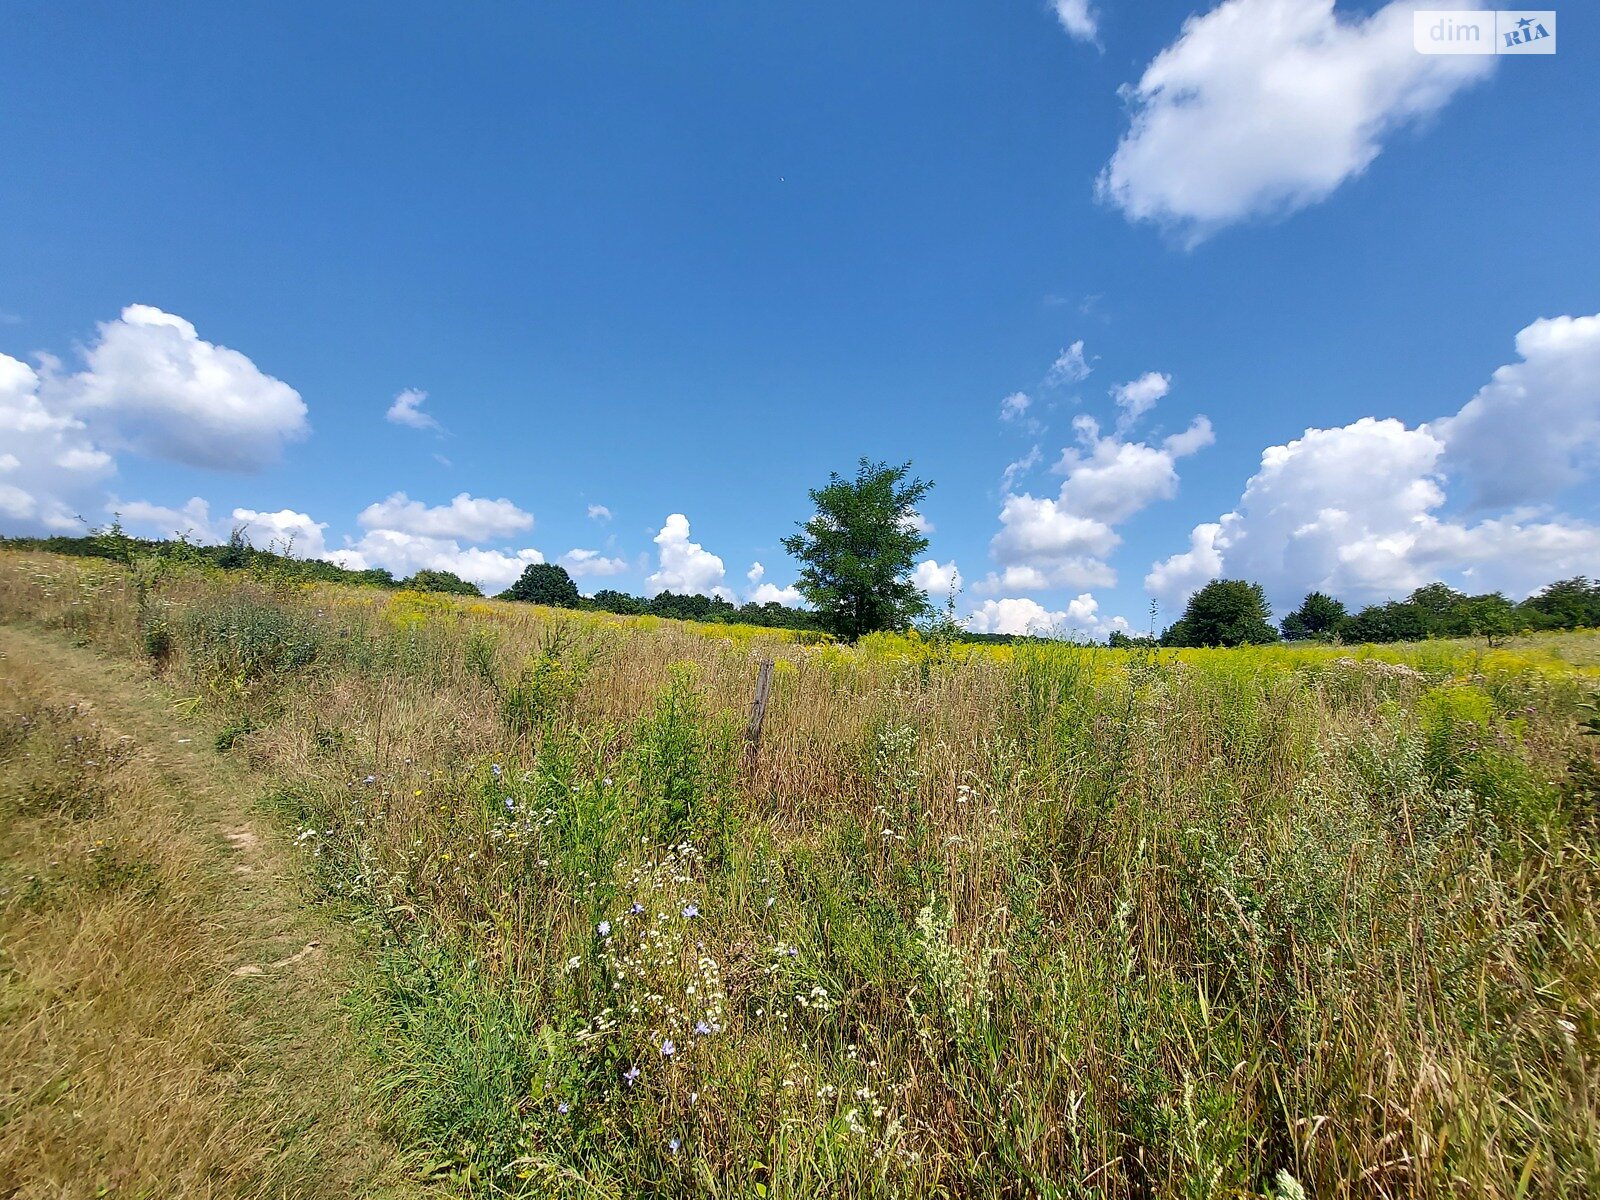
pixel 233 555
pixel 549 583
pixel 1234 612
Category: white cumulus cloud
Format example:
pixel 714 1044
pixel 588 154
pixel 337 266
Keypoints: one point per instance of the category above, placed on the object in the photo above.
pixel 407 553
pixel 771 593
pixel 192 521
pixel 1534 429
pixel 1064 541
pixel 685 566
pixel 937 579
pixel 51 470
pixel 284 531
pixel 1139 396
pixel 152 385
pixel 1020 615
pixel 467 518
pixel 1110 480
pixel 580 563
pixel 1360 511
pixel 1267 106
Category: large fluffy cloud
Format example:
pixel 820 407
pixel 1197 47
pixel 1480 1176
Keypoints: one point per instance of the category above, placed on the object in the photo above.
pixel 467 518
pixel 686 566
pixel 1534 428
pixel 937 579
pixel 1057 546
pixel 192 521
pixel 1065 540
pixel 406 553
pixel 405 536
pixel 152 385
pixel 1110 480
pixel 286 531
pixel 51 470
pixel 1266 106
pixel 1081 618
pixel 1361 510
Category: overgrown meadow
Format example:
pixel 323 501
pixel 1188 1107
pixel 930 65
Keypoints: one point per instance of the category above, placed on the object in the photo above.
pixel 970 921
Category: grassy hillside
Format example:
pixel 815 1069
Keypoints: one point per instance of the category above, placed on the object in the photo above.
pixel 972 921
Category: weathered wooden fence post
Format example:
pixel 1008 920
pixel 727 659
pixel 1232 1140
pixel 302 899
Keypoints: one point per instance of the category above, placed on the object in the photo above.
pixel 758 708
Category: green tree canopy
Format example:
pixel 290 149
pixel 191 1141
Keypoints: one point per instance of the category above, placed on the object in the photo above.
pixel 1226 612
pixel 1396 621
pixel 442 581
pixel 1567 604
pixel 1318 617
pixel 858 552
pixel 544 583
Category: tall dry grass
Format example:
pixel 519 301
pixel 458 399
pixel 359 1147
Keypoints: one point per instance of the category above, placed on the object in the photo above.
pixel 135 1057
pixel 1035 920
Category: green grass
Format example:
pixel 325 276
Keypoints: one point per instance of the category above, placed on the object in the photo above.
pixel 974 921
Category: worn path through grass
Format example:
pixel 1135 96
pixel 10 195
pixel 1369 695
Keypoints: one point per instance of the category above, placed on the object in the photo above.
pixel 170 1009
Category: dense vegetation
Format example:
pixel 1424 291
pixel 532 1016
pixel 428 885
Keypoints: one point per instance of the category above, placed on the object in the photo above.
pixel 549 584
pixel 1232 612
pixel 970 921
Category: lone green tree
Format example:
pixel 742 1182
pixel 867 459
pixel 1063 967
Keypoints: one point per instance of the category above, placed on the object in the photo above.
pixel 858 552
pixel 544 583
pixel 1318 618
pixel 1226 612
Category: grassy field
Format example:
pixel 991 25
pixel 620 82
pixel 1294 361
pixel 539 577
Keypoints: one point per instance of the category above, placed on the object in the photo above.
pixel 972 921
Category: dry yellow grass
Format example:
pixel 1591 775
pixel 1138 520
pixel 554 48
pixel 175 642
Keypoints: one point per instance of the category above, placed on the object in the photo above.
pixel 155 1040
pixel 1017 921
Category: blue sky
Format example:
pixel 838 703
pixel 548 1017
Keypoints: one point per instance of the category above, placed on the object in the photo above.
pixel 687 259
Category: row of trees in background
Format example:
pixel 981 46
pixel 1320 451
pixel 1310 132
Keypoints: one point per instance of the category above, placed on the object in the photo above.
pixel 1234 612
pixel 549 583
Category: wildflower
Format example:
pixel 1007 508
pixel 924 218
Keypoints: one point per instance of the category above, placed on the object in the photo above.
pixel 574 962
pixel 702 1028
pixel 691 910
pixel 562 1108
pixel 603 929
pixel 607 781
pixel 631 1076
pixel 668 1049
pixel 495 770
pixel 673 1145
pixel 635 909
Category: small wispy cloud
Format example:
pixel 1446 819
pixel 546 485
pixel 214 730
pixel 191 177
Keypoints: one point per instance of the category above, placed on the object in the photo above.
pixel 1070 366
pixel 1079 19
pixel 407 410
